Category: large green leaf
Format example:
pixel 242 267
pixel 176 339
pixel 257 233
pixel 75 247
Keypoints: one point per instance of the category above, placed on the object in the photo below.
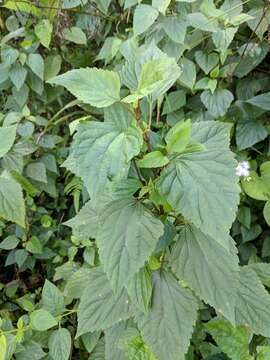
pixel 12 206
pixel 262 101
pixel 208 267
pixel 233 341
pixel 99 307
pixel 139 289
pixel 185 181
pixel 253 303
pixel 144 17
pixel 168 326
pixel 60 344
pixel 52 299
pixel 103 150
pixel 127 235
pixel 7 138
pixel 217 103
pixel 84 224
pixel 249 132
pixel 93 86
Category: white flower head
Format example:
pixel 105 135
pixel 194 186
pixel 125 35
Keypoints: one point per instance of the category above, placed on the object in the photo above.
pixel 242 169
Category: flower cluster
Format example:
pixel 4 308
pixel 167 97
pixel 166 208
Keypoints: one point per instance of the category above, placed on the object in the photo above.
pixel 242 169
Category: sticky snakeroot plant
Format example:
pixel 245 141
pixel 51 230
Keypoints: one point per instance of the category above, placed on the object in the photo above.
pixel 162 202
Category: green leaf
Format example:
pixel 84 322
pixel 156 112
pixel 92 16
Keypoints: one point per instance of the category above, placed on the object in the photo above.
pixel 144 17
pixel 233 341
pixel 37 172
pixel 250 56
pixel 139 289
pixel 185 181
pixel 156 77
pixel 206 61
pixel 114 337
pixel 31 349
pixel 103 150
pixel 7 138
pixel 266 212
pixel 36 64
pixel 200 21
pixel 253 303
pixel 168 326
pixel 52 299
pixel 9 243
pixel 178 137
pixel 99 307
pixel 161 5
pixel 3 347
pixel 52 65
pixel 11 200
pixel 109 49
pixel 263 272
pixel 90 340
pixel 43 30
pixel 42 320
pixel 217 103
pixel 75 35
pixel 223 38
pixel 175 27
pixel 174 101
pixel 127 235
pixel 257 186
pixel 249 132
pixel 188 76
pixel 153 159
pixel 261 101
pixel 84 224
pixel 92 86
pixel 17 75
pixel 75 285
pixel 263 352
pixel 60 344
pixel 209 267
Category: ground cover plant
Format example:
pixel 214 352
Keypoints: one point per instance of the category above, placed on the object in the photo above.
pixel 134 180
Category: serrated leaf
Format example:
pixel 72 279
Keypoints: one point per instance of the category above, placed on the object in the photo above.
pixel 217 103
pixel 263 352
pixel 263 272
pixel 7 138
pixel 100 88
pixel 12 206
pixel 253 303
pixel 113 337
pixel 31 348
pixel 223 38
pixel 233 341
pixel 84 224
pixel 208 267
pixel 99 307
pixel 185 181
pixel 127 235
pixel 36 64
pixel 103 150
pixel 168 326
pixel 139 289
pixel 188 75
pixel 144 17
pixel 178 137
pixel 42 320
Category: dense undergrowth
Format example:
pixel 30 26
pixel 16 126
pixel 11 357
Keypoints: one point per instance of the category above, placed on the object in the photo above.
pixel 134 180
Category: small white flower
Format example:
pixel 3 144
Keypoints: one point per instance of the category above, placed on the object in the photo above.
pixel 242 169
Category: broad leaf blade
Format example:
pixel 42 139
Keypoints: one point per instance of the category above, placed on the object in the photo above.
pixel 100 308
pixel 208 267
pixel 93 86
pixel 127 235
pixel 167 327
